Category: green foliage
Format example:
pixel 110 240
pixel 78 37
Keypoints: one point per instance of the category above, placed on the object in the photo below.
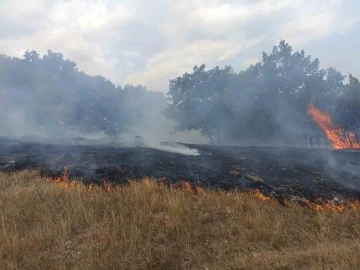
pixel 347 110
pixel 199 101
pixel 266 102
pixel 51 93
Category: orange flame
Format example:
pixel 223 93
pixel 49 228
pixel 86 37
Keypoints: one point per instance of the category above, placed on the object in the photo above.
pixel 107 186
pixel 161 183
pixel 131 182
pixel 318 205
pixel 64 179
pixel 325 206
pixel 66 174
pixel 186 187
pixel 338 137
pixel 146 181
pixel 199 191
pixel 261 196
pixel 91 187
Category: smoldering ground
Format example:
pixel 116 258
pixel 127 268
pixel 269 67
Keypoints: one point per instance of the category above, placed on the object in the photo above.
pixel 48 100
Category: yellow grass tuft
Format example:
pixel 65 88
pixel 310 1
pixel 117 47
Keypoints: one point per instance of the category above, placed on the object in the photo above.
pixel 147 226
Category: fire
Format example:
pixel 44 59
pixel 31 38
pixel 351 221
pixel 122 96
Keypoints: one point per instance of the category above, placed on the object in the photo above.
pixel 161 183
pixel 186 187
pixel 325 206
pixel 146 181
pixel 107 186
pixel 319 205
pixel 91 187
pixel 338 137
pixel 199 190
pixel 330 206
pixel 64 179
pixel 261 196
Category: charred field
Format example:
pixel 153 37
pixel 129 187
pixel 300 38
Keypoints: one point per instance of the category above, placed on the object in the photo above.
pixel 279 172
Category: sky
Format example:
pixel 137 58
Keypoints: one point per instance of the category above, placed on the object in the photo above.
pixel 150 42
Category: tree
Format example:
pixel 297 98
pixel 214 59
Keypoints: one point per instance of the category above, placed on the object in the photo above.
pixel 266 102
pixel 50 96
pixel 199 101
pixel 279 89
pixel 347 110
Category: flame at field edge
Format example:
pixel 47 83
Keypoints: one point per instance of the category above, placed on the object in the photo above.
pixel 186 187
pixel 336 135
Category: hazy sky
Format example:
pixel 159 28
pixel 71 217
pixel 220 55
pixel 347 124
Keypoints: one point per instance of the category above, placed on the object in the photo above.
pixel 149 42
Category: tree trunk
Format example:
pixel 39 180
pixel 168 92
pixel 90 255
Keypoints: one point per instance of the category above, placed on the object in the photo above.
pixel 218 137
pixel 209 135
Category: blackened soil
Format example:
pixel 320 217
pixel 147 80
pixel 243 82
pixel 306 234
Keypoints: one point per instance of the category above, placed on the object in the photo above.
pixel 281 171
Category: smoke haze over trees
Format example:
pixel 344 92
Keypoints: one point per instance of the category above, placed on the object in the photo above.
pixel 264 104
pixel 48 96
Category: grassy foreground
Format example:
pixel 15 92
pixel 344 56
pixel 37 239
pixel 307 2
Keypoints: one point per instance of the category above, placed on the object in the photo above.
pixel 143 226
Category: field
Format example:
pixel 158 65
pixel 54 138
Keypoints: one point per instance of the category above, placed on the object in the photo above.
pixel 144 225
pixel 282 172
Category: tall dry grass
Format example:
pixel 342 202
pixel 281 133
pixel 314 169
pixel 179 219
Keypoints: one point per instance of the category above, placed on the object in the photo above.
pixel 144 226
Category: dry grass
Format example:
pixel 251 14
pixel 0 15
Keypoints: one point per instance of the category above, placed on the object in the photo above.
pixel 143 226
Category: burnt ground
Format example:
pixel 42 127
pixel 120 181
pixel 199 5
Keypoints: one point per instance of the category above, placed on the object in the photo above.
pixel 282 172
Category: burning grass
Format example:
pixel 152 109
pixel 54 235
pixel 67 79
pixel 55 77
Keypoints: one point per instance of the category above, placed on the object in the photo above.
pixel 145 225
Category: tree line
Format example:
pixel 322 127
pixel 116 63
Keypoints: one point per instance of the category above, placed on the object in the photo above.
pixel 266 103
pixel 51 92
